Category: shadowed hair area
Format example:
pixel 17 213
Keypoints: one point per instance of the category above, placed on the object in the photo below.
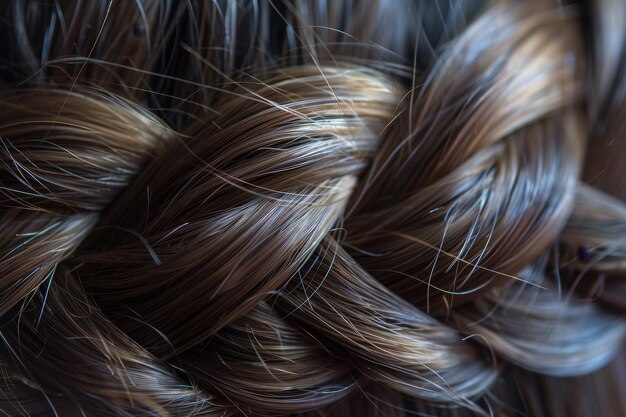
pixel 313 208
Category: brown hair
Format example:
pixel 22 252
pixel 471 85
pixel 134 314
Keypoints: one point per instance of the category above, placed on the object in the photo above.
pixel 312 208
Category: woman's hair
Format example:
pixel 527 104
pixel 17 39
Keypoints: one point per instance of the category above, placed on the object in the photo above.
pixel 313 208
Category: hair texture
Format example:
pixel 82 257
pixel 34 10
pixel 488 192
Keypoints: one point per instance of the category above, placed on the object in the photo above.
pixel 313 208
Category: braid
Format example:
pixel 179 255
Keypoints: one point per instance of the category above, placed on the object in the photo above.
pixel 232 208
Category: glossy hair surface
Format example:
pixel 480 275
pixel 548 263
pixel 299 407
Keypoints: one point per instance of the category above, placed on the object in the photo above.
pixel 312 208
